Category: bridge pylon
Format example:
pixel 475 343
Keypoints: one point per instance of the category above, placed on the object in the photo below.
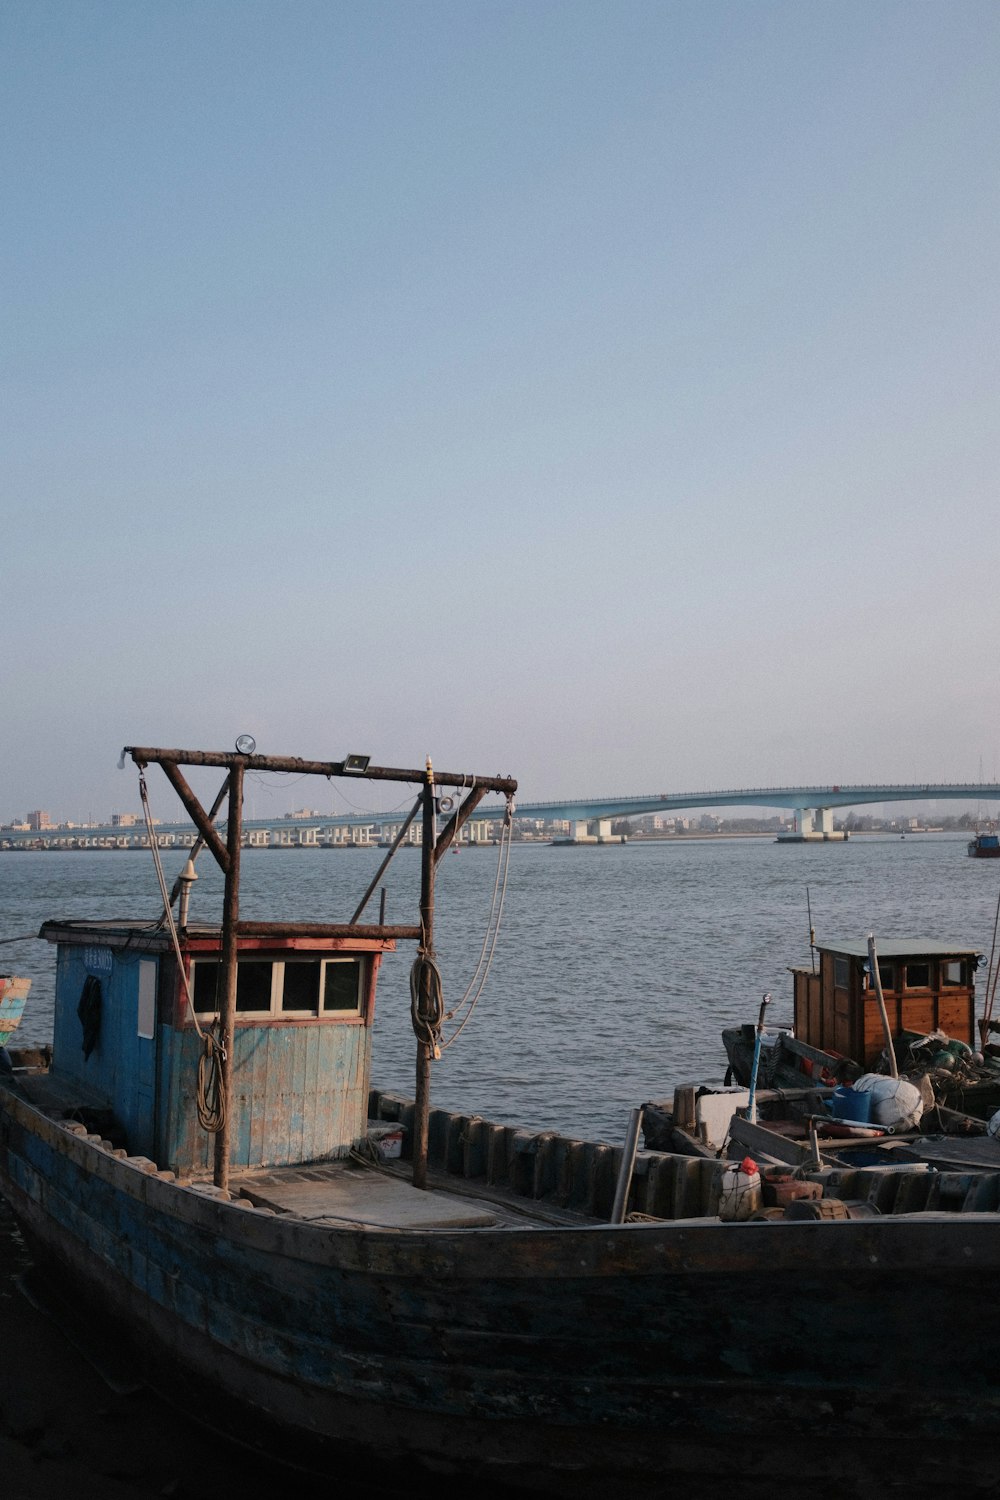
pixel 814 825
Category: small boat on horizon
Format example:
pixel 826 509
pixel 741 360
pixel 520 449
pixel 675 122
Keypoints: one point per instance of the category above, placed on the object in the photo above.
pixel 985 843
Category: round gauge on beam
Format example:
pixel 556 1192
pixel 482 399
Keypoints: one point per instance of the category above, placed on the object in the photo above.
pixel 246 744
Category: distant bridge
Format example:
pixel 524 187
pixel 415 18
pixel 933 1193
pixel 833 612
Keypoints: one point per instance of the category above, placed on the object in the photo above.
pixel 589 818
pixel 813 805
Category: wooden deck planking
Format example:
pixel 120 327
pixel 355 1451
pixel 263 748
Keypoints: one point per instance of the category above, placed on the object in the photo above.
pixel 341 1194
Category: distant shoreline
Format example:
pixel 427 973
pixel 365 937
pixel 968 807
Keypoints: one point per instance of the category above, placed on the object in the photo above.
pixel 542 842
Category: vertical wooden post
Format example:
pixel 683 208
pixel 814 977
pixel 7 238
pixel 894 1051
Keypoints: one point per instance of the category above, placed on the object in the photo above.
pixel 425 1050
pixel 627 1168
pixel 877 983
pixel 230 917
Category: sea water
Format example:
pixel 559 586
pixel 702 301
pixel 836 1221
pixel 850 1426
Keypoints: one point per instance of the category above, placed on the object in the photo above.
pixel 615 969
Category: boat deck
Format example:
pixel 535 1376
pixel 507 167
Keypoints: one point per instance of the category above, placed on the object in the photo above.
pixel 352 1192
pixel 347 1194
pixel 57 1097
pixel 956 1153
pixel 369 1195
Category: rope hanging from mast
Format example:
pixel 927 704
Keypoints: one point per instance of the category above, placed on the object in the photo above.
pixel 477 983
pixel 427 1012
pixel 210 1094
pixel 426 1002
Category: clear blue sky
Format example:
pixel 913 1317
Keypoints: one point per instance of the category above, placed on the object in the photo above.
pixel 604 394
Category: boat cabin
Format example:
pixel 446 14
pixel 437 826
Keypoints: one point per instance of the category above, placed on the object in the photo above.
pixel 926 986
pixel 127 1045
pixel 247 1044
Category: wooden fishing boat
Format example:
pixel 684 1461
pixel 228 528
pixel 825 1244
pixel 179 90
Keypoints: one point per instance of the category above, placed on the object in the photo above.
pixel 206 1165
pixel 985 844
pixel 13 994
pixel 928 989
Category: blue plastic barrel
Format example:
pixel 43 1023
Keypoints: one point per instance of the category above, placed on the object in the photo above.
pixel 850 1104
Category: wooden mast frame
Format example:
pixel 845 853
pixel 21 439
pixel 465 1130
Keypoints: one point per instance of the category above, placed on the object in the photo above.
pixel 227 857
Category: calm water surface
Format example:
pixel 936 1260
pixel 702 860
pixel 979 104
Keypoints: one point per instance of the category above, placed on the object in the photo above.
pixel 616 967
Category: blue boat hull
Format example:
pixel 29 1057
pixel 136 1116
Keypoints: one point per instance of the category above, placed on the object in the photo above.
pixel 553 1358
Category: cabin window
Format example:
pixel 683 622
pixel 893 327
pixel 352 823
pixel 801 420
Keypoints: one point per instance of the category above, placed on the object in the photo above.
pixel 300 990
pixel 953 971
pixel 342 984
pixel 206 982
pixel 253 985
pixel 841 973
pixel 887 976
pixel 284 987
pixel 918 976
pixel 146 1014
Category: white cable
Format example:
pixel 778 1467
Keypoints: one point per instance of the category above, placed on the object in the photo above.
pixel 469 1000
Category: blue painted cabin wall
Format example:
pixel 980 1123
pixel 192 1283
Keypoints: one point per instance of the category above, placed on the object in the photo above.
pixel 120 1070
pixel 300 1094
pixel 300 1088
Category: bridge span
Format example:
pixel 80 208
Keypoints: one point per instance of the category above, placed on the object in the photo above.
pixel 589 819
pixel 813 805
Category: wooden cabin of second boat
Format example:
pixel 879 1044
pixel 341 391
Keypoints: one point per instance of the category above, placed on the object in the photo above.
pixel 927 986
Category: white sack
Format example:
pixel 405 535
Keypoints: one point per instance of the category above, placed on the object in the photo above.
pixel 896 1103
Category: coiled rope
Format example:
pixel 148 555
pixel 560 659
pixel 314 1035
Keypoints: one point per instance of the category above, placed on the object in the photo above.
pixel 210 1095
pixel 426 1002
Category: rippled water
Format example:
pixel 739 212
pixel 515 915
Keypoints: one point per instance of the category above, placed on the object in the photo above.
pixel 616 966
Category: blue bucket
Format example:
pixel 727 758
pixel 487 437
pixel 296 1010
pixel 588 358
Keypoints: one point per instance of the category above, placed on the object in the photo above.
pixel 850 1104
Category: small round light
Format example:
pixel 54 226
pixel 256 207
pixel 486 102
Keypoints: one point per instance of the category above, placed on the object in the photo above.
pixel 246 744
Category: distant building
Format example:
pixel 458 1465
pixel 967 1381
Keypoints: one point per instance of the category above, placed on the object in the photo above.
pixel 37 820
pixel 124 820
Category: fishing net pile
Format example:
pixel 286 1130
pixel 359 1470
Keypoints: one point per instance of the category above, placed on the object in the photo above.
pixel 949 1066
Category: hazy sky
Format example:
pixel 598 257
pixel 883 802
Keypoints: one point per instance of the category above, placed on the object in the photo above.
pixel 603 394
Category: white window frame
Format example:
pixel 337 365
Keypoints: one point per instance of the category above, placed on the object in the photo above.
pixel 276 1010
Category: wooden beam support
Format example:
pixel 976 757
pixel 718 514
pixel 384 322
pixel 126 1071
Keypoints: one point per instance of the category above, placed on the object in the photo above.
pixel 230 922
pixel 199 842
pixel 143 755
pixel 327 930
pixel 400 836
pixel 197 814
pixel 766 1145
pixel 425 1047
pixel 457 821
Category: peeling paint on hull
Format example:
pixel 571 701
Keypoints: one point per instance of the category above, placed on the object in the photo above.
pixel 552 1356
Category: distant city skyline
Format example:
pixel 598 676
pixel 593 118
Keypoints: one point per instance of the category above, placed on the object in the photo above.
pixel 937 809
